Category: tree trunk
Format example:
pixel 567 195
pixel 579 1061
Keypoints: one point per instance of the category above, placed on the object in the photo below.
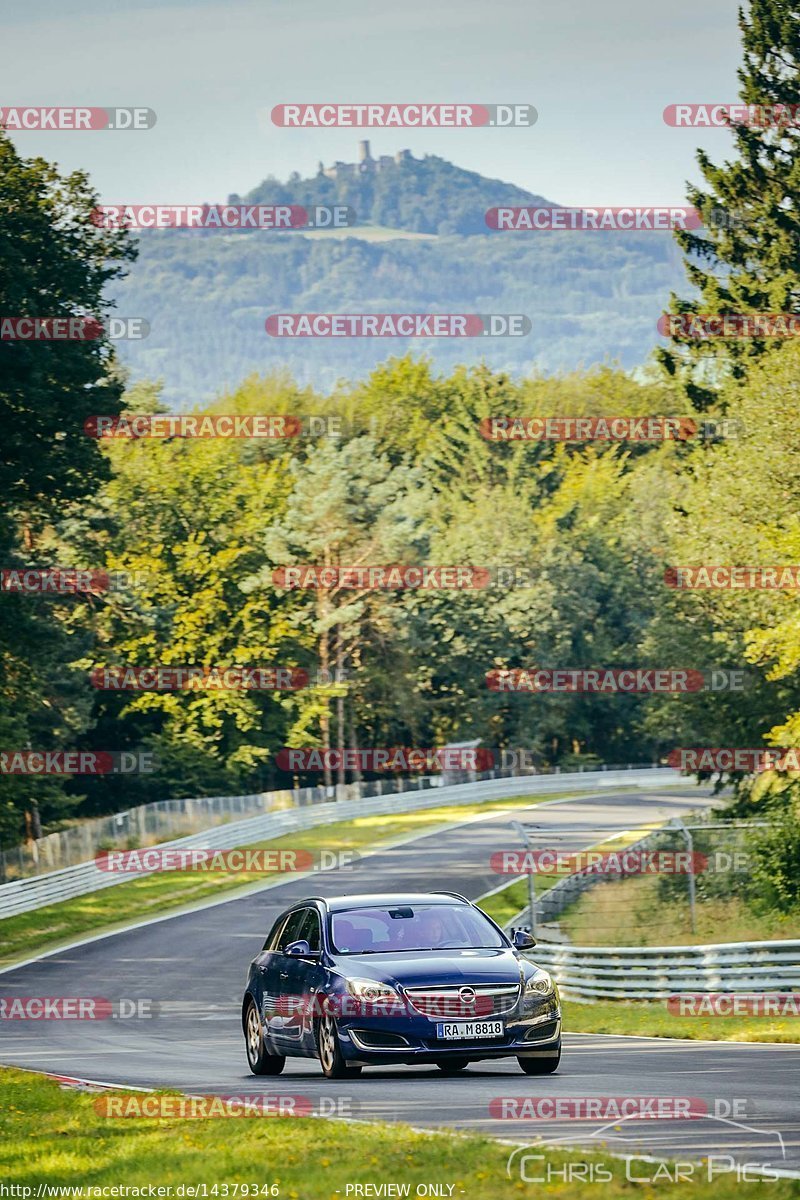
pixel 325 720
pixel 356 773
pixel 354 666
pixel 340 706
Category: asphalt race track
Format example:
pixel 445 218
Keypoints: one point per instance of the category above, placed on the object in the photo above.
pixel 193 967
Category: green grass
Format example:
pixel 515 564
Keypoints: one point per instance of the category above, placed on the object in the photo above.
pixel 55 1137
pixel 649 1018
pixel 628 912
pixel 503 906
pixel 149 895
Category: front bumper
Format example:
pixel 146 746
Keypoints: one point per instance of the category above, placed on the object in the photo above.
pixel 534 1033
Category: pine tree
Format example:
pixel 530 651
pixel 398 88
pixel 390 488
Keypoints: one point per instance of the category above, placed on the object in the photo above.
pixel 746 258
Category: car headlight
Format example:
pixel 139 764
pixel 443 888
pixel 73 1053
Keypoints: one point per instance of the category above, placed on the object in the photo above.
pixel 370 989
pixel 539 984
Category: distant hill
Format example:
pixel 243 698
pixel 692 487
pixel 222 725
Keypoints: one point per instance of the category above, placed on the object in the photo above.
pixel 427 195
pixel 590 296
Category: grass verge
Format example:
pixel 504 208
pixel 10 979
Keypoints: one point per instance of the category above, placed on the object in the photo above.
pixel 51 1137
pixel 630 912
pixel 150 895
pixel 503 906
pixel 649 1018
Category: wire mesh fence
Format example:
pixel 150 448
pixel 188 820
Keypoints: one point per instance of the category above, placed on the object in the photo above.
pixel 164 820
pixel 644 885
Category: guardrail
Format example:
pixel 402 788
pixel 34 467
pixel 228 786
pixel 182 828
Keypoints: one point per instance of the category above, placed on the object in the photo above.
pixel 142 825
pixel 24 895
pixel 656 972
pixel 161 820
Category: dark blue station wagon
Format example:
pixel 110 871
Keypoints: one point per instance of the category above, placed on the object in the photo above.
pixel 417 978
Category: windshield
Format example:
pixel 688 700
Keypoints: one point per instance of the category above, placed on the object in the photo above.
pixel 412 927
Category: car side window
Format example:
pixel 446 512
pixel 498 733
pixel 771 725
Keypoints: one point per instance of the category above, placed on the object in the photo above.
pixel 311 929
pixel 272 937
pixel 291 930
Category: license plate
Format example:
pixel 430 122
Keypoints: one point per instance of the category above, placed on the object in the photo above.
pixel 469 1030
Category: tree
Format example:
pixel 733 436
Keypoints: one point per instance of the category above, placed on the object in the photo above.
pixel 747 258
pixel 56 262
pixel 737 504
pixel 349 506
pixel 184 517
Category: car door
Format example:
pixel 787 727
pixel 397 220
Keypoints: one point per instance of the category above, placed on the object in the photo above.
pixel 280 1019
pixel 305 980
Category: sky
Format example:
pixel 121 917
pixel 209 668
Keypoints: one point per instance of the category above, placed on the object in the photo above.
pixel 599 75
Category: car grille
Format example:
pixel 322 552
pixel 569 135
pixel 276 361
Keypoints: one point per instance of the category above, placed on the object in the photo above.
pixel 490 1000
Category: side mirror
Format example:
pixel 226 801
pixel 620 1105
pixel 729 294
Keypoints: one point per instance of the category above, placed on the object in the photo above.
pixel 523 940
pixel 300 949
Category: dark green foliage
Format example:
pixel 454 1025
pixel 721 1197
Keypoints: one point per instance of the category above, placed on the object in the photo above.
pixel 747 257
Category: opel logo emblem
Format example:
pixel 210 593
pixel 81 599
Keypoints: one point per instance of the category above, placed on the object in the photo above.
pixel 466 995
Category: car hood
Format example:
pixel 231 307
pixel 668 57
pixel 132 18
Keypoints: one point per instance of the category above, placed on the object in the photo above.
pixel 432 966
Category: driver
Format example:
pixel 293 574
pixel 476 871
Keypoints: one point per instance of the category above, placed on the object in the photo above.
pixel 432 931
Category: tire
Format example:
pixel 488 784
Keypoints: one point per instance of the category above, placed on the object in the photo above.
pixel 258 1060
pixel 329 1051
pixel 451 1066
pixel 540 1066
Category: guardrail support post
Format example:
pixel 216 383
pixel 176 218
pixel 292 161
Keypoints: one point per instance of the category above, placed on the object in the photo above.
pixel 678 823
pixel 531 878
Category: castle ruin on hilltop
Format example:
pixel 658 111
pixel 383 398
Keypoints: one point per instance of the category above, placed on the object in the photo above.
pixel 366 165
